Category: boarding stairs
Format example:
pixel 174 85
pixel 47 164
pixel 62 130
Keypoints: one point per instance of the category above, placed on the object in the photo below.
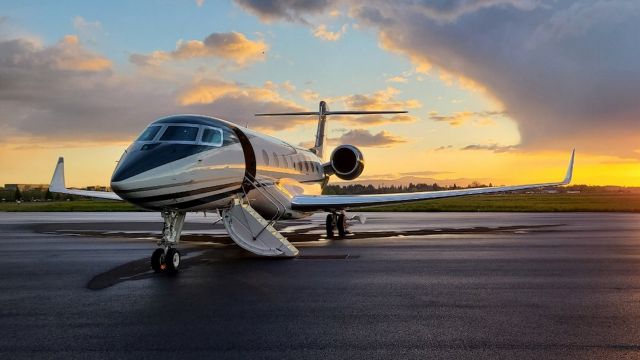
pixel 251 231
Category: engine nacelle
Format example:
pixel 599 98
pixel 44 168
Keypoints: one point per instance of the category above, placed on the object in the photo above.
pixel 347 162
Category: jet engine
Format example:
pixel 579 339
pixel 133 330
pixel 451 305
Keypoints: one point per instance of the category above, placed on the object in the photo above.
pixel 346 162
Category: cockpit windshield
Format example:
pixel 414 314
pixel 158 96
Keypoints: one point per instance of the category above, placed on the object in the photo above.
pixel 149 133
pixel 180 133
pixel 196 134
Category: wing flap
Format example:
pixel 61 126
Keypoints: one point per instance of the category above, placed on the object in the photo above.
pixel 57 185
pixel 330 202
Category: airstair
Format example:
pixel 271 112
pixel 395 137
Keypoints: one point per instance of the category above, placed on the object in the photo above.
pixel 254 233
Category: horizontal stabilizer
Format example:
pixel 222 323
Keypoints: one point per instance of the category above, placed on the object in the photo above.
pixel 316 113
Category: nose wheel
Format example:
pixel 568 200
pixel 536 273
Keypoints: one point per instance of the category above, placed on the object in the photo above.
pixel 166 259
pixel 168 262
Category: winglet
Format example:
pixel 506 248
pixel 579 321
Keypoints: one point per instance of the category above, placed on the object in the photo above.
pixel 567 178
pixel 57 181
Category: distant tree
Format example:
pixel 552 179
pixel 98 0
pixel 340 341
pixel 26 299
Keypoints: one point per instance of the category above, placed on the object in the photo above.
pixel 48 195
pixel 17 195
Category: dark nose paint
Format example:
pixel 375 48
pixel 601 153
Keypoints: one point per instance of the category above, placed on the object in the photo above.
pixel 150 156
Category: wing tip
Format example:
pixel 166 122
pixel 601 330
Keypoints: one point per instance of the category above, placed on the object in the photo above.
pixel 569 175
pixel 57 181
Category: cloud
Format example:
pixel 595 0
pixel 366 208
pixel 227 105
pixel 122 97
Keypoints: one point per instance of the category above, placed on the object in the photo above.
pixel 199 3
pixel 65 92
pixel 310 95
pixel 322 33
pixel 289 10
pixel 379 100
pixel 364 138
pixel 443 147
pixel 232 46
pixel 374 119
pixel 88 30
pixel 479 118
pixel 397 79
pixel 492 147
pixel 288 87
pixel 565 71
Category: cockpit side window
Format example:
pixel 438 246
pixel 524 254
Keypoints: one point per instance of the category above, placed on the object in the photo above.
pixel 179 133
pixel 212 136
pixel 149 133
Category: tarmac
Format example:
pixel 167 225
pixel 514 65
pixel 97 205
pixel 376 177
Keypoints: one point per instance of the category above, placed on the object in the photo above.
pixel 403 285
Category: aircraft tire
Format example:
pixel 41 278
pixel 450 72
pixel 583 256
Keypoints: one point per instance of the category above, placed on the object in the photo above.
pixel 341 226
pixel 173 260
pixel 329 226
pixel 157 259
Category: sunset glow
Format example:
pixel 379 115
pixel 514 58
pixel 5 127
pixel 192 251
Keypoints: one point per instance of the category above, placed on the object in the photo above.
pixel 81 80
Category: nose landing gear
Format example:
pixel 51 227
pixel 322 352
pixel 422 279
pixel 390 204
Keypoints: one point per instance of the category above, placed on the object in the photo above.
pixel 166 258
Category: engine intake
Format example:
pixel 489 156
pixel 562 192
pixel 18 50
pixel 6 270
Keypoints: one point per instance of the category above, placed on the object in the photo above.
pixel 347 162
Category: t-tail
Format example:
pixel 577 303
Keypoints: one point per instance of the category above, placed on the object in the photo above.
pixel 322 113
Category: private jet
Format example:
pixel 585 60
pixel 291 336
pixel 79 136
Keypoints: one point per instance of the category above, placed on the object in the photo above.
pixel 193 163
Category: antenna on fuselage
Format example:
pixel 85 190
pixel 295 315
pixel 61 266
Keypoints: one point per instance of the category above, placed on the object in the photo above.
pixel 322 113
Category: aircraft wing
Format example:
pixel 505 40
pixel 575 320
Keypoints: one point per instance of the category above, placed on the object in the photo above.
pixel 57 185
pixel 336 202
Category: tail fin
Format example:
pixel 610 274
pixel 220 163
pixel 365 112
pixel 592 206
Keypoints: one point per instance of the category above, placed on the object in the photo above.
pixel 318 148
pixel 323 111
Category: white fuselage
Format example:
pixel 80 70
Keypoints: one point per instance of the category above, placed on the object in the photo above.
pixel 192 175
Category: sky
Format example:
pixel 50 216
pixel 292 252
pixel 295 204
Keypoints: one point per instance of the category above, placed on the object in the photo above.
pixel 497 91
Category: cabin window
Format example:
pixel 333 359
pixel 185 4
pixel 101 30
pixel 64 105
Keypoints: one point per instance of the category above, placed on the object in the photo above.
pixel 265 157
pixel 285 163
pixel 306 166
pixel 212 136
pixel 276 161
pixel 180 133
pixel 149 133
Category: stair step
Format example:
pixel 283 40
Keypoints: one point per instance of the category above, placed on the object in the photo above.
pixel 252 232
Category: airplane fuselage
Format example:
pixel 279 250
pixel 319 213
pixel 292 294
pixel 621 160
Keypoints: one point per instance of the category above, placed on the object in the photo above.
pixel 197 163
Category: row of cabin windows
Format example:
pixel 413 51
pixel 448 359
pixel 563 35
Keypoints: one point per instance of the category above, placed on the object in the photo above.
pixel 307 166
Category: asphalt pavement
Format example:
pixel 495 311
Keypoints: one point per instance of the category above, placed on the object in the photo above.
pixel 416 285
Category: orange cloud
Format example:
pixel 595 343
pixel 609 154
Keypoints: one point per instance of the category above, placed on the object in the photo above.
pixel 233 46
pixel 69 55
pixel 423 65
pixel 310 95
pixel 380 100
pixel 479 118
pixel 321 32
pixel 364 138
pixel 208 91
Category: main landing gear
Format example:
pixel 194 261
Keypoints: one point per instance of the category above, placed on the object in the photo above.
pixel 336 221
pixel 166 258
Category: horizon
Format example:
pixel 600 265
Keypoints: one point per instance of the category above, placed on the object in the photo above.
pixel 82 80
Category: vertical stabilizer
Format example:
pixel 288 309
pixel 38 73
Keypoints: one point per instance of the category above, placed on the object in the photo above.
pixel 318 148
